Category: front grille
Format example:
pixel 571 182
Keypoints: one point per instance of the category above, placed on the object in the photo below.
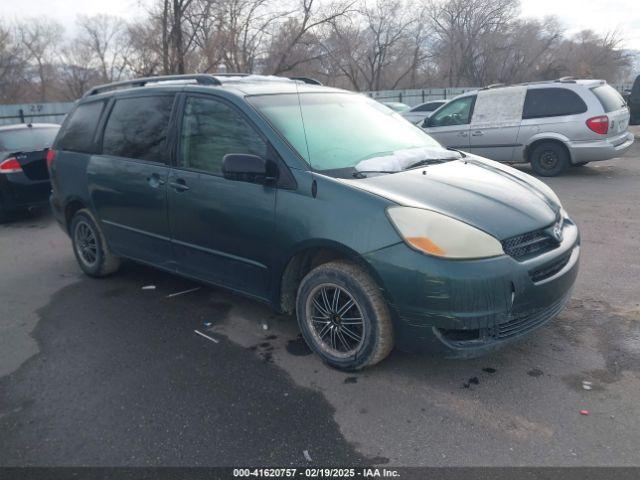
pixel 529 244
pixel 550 269
pixel 521 322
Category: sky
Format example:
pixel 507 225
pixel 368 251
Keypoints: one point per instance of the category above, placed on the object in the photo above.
pixel 603 16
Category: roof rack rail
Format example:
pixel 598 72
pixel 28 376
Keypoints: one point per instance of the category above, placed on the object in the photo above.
pixel 201 78
pixel 566 80
pixel 494 85
pixel 309 80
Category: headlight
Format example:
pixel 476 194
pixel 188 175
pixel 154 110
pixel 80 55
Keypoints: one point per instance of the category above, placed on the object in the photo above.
pixel 442 236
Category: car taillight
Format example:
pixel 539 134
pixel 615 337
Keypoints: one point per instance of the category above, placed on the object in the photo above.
pixel 599 124
pixel 10 165
pixel 51 156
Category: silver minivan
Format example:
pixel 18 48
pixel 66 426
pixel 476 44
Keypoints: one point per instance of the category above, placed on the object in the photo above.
pixel 552 125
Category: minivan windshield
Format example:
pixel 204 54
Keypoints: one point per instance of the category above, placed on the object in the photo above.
pixel 338 132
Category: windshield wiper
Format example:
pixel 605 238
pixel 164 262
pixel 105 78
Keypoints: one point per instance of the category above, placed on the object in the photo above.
pixel 432 161
pixel 362 173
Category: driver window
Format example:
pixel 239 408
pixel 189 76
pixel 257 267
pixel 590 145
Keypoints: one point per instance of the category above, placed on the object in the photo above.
pixel 210 130
pixel 457 112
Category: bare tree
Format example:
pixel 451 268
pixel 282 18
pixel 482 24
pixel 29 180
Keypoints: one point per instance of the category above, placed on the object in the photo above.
pixel 12 64
pixel 296 40
pixel 104 36
pixel 41 39
pixel 462 30
pixel 75 71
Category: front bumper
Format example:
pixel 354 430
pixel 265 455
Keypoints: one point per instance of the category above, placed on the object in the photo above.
pixel 468 308
pixel 605 149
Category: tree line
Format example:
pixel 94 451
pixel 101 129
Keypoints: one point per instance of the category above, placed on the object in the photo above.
pixel 361 45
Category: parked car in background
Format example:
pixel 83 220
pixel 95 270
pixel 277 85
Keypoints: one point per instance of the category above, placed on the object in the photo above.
pixel 316 201
pixel 634 102
pixel 24 179
pixel 553 125
pixel 418 113
pixel 397 106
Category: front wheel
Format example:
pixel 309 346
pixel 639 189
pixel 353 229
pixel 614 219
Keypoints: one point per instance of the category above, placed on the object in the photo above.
pixel 549 159
pixel 89 246
pixel 343 316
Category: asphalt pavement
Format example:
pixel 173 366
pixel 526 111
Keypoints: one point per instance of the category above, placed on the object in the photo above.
pixel 104 372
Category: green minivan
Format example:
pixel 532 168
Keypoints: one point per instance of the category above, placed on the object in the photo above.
pixel 319 202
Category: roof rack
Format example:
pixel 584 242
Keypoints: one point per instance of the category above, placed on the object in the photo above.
pixel 566 80
pixel 201 78
pixel 494 85
pixel 309 80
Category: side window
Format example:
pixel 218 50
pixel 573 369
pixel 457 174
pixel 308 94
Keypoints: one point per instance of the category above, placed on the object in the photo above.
pixel 137 128
pixel 80 127
pixel 552 102
pixel 210 130
pixel 457 112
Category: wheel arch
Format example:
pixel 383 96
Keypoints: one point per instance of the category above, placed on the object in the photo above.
pixel 72 206
pixel 304 258
pixel 548 138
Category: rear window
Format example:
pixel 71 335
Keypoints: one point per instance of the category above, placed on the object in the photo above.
pixel 80 127
pixel 137 128
pixel 609 97
pixel 27 139
pixel 552 102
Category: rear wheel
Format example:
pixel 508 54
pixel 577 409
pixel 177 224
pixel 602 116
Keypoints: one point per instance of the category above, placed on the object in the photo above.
pixel 343 316
pixel 549 159
pixel 89 246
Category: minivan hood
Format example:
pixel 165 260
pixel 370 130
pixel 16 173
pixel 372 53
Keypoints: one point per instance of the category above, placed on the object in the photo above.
pixel 497 199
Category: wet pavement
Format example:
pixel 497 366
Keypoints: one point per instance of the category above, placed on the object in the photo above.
pixel 101 372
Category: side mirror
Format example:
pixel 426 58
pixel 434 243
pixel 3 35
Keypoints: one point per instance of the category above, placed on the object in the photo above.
pixel 243 167
pixel 426 122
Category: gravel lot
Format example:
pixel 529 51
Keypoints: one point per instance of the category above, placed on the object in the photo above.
pixel 101 372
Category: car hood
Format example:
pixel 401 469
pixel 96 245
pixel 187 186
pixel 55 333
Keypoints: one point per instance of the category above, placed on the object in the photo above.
pixel 497 199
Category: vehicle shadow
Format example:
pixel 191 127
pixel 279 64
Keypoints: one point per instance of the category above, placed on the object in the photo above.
pixel 32 218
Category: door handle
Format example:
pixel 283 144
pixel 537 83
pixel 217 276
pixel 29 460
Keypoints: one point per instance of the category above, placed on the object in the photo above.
pixel 155 181
pixel 462 134
pixel 477 133
pixel 179 185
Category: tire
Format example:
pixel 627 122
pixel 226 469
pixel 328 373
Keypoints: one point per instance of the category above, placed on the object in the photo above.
pixel 549 159
pixel 362 339
pixel 89 246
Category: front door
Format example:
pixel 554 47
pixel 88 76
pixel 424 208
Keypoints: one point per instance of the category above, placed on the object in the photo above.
pixel 450 124
pixel 127 181
pixel 221 229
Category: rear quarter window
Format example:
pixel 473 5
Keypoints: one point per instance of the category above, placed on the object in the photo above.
pixel 79 129
pixel 137 128
pixel 609 97
pixel 552 102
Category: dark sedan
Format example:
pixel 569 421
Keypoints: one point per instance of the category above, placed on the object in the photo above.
pixel 24 179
